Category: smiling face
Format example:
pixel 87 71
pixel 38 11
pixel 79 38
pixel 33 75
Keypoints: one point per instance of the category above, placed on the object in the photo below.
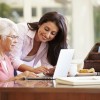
pixel 9 41
pixel 47 32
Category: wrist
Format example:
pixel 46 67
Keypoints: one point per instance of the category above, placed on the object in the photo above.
pixel 34 70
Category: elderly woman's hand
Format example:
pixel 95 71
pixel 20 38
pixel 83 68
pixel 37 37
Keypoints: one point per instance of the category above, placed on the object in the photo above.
pixel 22 75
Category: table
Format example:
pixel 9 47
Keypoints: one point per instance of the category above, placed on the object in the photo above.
pixel 46 90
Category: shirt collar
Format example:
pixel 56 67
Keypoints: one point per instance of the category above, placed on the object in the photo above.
pixel 31 34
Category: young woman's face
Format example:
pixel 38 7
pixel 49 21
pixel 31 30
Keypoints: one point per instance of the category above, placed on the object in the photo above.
pixel 9 42
pixel 47 32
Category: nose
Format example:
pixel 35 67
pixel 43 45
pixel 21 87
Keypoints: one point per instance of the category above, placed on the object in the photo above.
pixel 15 40
pixel 48 35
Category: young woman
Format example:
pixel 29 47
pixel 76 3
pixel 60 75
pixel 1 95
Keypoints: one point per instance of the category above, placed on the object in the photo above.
pixel 40 42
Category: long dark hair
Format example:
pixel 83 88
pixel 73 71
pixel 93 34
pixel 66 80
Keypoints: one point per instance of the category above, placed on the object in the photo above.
pixel 59 42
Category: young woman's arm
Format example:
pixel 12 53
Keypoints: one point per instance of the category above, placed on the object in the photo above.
pixel 37 70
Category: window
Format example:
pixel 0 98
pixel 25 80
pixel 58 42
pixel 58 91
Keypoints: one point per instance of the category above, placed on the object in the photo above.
pixel 17 12
pixel 62 10
pixel 33 11
pixel 97 23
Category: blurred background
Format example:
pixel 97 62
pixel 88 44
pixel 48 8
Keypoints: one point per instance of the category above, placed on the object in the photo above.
pixel 82 19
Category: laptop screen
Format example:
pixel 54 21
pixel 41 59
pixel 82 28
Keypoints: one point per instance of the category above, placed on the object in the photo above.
pixel 63 63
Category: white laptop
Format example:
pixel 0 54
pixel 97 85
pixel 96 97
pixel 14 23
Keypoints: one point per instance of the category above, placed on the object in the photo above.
pixel 63 63
pixel 62 67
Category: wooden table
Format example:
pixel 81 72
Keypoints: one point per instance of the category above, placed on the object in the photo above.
pixel 46 90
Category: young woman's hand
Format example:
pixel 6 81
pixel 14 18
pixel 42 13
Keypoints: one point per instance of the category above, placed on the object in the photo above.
pixel 50 72
pixel 41 69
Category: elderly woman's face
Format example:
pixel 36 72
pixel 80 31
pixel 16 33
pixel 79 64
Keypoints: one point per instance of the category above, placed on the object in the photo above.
pixel 47 31
pixel 9 41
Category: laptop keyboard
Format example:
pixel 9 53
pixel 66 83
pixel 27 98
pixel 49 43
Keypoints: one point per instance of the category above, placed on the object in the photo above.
pixel 41 76
pixel 38 78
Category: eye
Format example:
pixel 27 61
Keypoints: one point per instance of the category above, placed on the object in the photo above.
pixel 53 33
pixel 12 36
pixel 46 29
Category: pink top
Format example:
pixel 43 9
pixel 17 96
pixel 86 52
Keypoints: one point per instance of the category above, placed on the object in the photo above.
pixel 6 74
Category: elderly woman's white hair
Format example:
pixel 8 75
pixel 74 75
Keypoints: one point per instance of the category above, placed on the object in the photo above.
pixel 6 26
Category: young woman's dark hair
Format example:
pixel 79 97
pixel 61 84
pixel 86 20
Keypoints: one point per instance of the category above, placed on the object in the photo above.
pixel 59 42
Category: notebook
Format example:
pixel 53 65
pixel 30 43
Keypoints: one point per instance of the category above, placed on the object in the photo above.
pixel 62 67
pixel 89 80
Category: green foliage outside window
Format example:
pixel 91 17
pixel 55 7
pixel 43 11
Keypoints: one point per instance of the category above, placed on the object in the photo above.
pixel 5 10
pixel 97 23
pixel 8 12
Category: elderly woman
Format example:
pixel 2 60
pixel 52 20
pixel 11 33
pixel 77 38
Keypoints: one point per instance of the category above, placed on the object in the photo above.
pixel 8 39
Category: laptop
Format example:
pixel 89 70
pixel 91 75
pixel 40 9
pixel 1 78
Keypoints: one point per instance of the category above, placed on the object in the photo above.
pixel 62 67
pixel 63 63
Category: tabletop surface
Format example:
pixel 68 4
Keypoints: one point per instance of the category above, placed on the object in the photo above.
pixel 45 86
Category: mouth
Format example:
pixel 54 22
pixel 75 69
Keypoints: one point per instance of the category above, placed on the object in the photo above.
pixel 12 45
pixel 44 38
